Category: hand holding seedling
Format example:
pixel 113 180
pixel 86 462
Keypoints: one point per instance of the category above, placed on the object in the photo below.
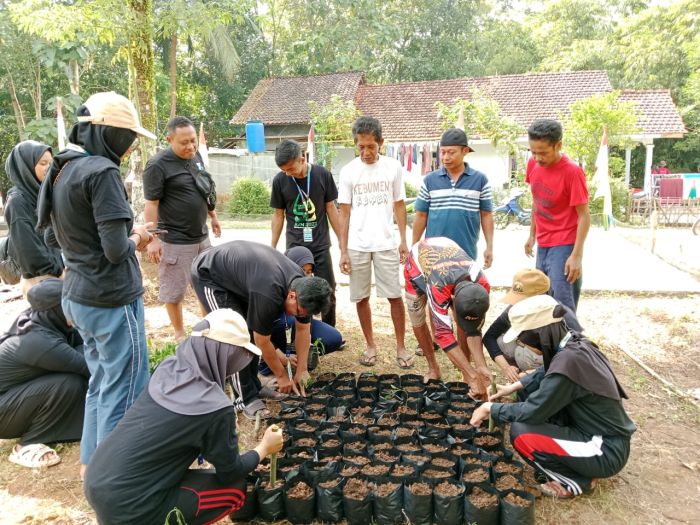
pixel 480 414
pixel 272 441
pixel 505 390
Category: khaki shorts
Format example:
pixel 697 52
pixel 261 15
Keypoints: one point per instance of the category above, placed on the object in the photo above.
pixel 386 274
pixel 175 269
pixel 524 358
pixel 415 306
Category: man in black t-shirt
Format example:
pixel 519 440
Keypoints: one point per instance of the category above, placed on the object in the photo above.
pixel 176 205
pixel 305 195
pixel 261 284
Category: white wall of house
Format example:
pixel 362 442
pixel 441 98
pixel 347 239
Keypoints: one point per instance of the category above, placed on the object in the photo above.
pixel 491 161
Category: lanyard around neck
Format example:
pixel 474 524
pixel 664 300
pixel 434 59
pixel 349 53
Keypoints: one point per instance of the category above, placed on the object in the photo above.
pixel 308 185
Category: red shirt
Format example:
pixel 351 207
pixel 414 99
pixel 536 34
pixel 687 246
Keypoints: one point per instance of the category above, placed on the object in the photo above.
pixel 556 191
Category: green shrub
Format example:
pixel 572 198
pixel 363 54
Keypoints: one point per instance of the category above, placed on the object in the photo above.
pixel 411 191
pixel 620 200
pixel 249 197
pixel 158 354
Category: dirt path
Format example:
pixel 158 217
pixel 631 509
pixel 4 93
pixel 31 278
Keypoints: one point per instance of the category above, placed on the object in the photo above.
pixel 661 483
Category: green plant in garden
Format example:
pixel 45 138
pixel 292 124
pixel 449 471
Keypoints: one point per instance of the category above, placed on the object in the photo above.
pixel 249 197
pixel 482 118
pixel 411 191
pixel 332 127
pixel 157 354
pixel 583 128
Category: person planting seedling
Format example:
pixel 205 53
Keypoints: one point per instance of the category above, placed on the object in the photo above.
pixel 140 473
pixel 576 384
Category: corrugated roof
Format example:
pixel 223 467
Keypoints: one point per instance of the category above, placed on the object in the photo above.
pixel 286 100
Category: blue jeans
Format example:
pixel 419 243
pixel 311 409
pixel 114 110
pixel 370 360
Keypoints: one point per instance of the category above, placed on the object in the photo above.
pixel 329 336
pixel 114 342
pixel 552 261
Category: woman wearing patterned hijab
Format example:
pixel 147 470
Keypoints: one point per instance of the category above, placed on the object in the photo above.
pixel 140 473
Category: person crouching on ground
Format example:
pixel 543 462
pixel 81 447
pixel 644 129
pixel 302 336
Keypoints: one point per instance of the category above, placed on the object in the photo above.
pixel 140 473
pixel 572 428
pixel 43 379
pixel 512 358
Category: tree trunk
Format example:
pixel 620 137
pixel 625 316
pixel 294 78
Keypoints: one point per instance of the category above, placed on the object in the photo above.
pixel 19 116
pixel 143 89
pixel 36 92
pixel 172 67
pixel 74 77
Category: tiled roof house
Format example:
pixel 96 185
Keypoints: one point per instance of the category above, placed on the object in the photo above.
pixel 408 114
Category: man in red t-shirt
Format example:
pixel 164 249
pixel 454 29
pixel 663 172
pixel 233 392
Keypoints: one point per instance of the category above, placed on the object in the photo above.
pixel 561 217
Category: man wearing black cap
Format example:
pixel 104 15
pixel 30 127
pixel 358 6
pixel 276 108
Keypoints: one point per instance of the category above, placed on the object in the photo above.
pixel 441 273
pixel 455 200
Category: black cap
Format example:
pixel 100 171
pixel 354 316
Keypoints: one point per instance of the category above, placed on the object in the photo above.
pixel 455 137
pixel 471 302
pixel 45 294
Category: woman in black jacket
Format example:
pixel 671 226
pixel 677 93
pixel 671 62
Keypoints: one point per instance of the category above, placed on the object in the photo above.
pixel 43 379
pixel 26 166
pixel 572 427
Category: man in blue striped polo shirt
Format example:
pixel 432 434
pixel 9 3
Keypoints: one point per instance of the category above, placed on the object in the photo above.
pixel 455 200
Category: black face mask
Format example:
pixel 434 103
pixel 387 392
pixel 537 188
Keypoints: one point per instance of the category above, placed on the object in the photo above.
pixel 105 141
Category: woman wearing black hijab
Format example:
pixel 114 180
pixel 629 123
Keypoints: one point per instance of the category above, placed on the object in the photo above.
pixel 572 427
pixel 140 473
pixel 43 379
pixel 26 166
pixel 85 201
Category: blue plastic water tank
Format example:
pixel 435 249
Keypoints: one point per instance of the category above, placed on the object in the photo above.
pixel 255 136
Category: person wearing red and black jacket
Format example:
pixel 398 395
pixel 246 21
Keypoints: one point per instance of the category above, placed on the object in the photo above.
pixel 437 271
pixel 572 427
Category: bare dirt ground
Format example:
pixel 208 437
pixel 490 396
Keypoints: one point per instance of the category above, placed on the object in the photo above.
pixel 660 484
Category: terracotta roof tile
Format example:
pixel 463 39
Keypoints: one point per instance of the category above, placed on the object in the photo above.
pixel 658 113
pixel 285 100
pixel 407 111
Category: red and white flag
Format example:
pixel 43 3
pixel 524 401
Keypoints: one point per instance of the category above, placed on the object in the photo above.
pixel 60 124
pixel 203 151
pixel 460 119
pixel 602 180
pixel 310 145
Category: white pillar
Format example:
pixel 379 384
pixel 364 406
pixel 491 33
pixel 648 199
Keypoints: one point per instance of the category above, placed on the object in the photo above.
pixel 628 165
pixel 647 167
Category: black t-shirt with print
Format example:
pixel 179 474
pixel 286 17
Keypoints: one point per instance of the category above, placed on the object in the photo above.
pixel 182 209
pixel 289 194
pixel 256 275
pixel 91 192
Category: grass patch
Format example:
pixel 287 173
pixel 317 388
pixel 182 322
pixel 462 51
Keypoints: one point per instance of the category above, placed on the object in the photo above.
pixel 156 354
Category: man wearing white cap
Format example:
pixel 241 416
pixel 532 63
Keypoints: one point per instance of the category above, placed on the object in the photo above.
pixel 84 200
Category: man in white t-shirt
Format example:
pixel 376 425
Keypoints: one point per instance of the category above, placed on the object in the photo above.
pixel 371 193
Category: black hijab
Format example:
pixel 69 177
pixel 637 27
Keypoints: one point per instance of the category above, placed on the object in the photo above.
pixel 300 255
pixel 44 312
pixel 570 354
pixel 20 167
pixel 192 381
pixel 86 139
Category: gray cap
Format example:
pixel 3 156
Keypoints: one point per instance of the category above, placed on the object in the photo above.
pixel 455 137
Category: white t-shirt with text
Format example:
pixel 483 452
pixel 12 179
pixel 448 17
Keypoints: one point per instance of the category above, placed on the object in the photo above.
pixel 371 189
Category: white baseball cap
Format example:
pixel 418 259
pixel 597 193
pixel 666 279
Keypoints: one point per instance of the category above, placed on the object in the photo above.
pixel 529 314
pixel 112 109
pixel 228 326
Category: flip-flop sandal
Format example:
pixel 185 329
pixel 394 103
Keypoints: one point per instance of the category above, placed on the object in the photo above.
pixel 31 456
pixel 368 360
pixel 267 392
pixel 405 362
pixel 546 490
pixel 254 407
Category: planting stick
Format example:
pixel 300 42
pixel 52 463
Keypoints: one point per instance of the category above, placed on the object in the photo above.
pixel 493 390
pixel 273 462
